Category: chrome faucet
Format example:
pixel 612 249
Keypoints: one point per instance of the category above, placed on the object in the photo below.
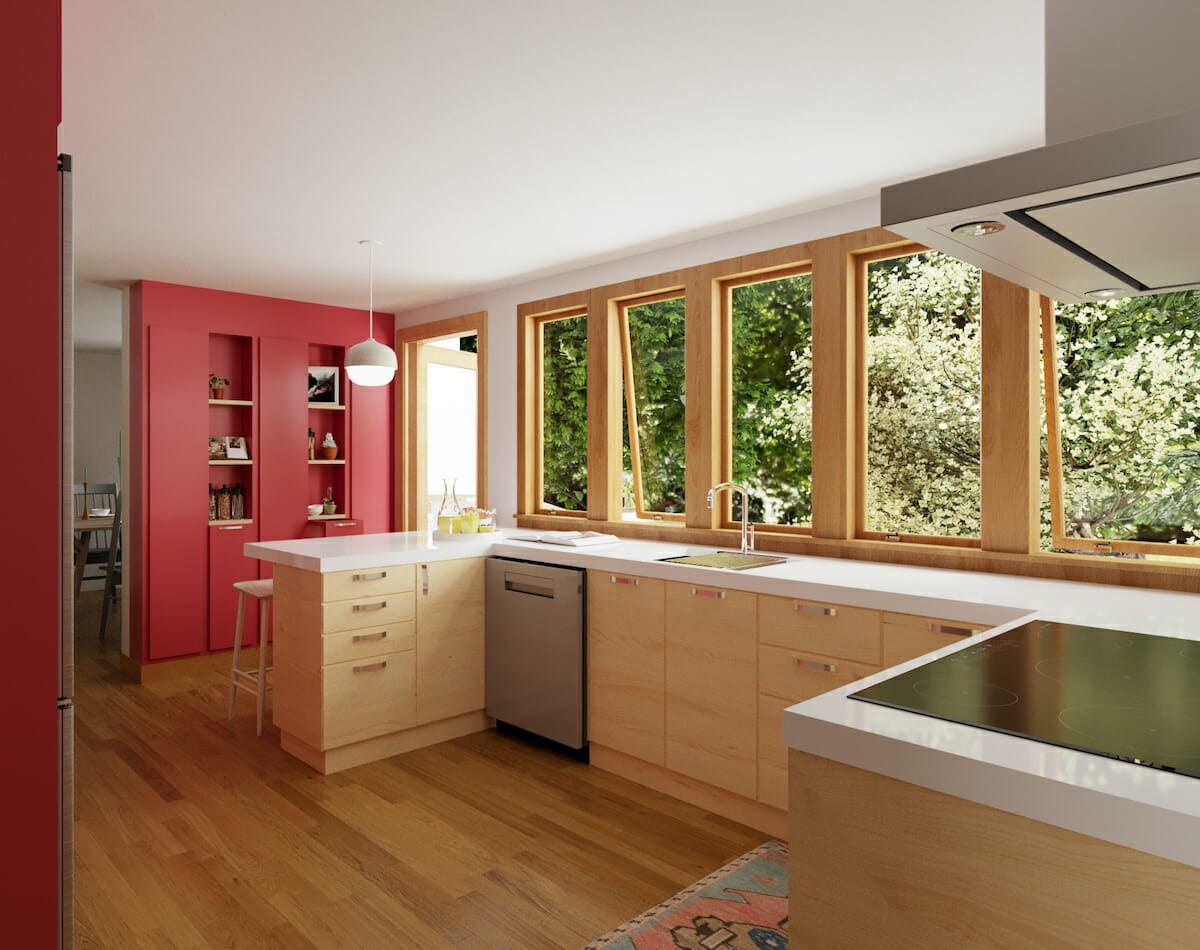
pixel 747 528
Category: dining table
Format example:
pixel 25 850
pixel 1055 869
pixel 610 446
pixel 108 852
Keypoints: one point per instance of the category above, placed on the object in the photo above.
pixel 84 528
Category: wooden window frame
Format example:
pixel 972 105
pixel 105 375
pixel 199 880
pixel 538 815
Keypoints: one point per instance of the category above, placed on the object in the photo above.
pixel 1011 424
pixel 635 457
pixel 724 288
pixel 537 325
pixel 862 266
pixel 1058 520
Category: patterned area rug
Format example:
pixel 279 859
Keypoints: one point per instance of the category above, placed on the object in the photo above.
pixel 742 906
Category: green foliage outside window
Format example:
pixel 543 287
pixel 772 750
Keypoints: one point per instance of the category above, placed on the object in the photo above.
pixel 564 413
pixel 772 399
pixel 1129 405
pixel 656 340
pixel 923 396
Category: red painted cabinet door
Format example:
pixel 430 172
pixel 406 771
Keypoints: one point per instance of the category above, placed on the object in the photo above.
pixel 175 572
pixel 226 565
pixel 371 459
pixel 283 439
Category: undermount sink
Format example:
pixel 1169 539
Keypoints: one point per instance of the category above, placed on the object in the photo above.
pixel 729 560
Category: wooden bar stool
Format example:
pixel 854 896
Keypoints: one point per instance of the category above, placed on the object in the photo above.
pixel 252 681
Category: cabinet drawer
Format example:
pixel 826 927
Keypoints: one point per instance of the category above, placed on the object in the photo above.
pixel 772 753
pixel 828 629
pixel 367 613
pixel 367 582
pixel 369 641
pixel 907 635
pixel 368 698
pixel 795 675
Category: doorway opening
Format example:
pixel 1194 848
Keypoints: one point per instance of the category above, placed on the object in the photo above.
pixel 441 446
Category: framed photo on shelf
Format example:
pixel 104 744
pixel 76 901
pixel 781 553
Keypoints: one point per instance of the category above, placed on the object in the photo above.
pixel 216 447
pixel 237 447
pixel 323 384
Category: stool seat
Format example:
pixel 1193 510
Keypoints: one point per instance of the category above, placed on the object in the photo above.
pixel 252 681
pixel 259 589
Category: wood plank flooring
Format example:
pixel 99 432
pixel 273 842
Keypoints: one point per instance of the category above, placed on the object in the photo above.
pixel 192 832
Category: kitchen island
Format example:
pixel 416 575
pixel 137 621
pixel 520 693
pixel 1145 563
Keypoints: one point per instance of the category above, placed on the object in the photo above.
pixel 910 782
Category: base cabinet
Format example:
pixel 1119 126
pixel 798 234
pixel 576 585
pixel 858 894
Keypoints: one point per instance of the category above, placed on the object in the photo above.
pixel 373 662
pixel 450 638
pixel 627 664
pixel 711 675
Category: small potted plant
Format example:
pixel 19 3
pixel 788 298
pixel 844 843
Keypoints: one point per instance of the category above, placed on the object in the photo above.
pixel 217 384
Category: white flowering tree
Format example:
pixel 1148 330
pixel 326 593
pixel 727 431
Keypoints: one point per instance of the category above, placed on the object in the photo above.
pixel 1129 393
pixel 923 396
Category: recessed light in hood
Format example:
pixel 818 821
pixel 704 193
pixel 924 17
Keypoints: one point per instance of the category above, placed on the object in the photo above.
pixel 1116 211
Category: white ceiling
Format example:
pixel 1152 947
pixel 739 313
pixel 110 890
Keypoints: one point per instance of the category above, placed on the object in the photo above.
pixel 249 146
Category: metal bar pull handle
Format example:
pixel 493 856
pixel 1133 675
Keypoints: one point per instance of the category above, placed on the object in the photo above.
pixel 706 592
pixel 230 527
pixel 528 584
pixel 614 579
pixel 814 665
pixel 374 576
pixel 950 628
pixel 424 580
pixel 365 637
pixel 371 667
pixel 360 608
pixel 814 609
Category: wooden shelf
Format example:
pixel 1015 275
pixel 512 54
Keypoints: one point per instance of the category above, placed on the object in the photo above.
pixel 231 402
pixel 231 461
pixel 229 521
pixel 330 518
pixel 324 405
pixel 326 461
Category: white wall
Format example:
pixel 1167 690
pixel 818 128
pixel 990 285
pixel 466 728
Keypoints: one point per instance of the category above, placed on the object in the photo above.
pixel 501 306
pixel 1110 64
pixel 98 411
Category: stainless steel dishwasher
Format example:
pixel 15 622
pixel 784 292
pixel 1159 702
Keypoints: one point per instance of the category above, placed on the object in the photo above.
pixel 535 648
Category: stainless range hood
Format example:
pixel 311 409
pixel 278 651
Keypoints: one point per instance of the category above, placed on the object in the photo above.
pixel 1112 214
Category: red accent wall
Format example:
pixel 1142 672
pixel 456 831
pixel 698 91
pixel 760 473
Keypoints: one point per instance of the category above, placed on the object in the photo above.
pixel 289 334
pixel 29 266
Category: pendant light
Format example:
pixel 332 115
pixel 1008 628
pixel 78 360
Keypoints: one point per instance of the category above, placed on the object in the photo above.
pixel 371 363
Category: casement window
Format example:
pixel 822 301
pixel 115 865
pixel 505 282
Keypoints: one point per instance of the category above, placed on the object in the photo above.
pixel 922 396
pixel 768 395
pixel 562 475
pixel 652 358
pixel 1122 384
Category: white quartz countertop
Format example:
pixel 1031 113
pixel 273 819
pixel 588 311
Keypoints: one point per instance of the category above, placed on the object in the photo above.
pixel 1144 808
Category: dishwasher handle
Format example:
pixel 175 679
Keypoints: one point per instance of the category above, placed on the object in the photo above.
pixel 528 584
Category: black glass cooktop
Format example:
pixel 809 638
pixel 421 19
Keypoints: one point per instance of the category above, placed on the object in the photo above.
pixel 1130 696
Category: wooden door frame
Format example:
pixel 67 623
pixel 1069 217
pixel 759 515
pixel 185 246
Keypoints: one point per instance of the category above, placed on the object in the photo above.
pixel 410 395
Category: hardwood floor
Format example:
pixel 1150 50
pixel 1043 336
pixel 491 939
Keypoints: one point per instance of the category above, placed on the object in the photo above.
pixel 192 832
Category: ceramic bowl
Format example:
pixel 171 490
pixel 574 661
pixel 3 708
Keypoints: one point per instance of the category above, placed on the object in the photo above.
pixel 99 512
pixel 314 510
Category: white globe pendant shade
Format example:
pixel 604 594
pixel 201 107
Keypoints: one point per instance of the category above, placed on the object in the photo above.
pixel 370 363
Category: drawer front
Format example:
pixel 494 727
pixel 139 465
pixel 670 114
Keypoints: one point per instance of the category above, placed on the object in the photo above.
pixel 795 675
pixel 367 582
pixel 367 613
pixel 368 698
pixel 379 640
pixel 851 633
pixel 907 635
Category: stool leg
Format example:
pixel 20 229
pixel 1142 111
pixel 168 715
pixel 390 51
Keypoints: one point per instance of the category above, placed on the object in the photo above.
pixel 237 649
pixel 263 631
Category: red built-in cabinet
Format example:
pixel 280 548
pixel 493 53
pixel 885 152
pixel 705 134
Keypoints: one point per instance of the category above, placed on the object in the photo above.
pixel 184 561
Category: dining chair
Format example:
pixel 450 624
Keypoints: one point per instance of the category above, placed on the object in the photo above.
pixel 112 568
pixel 99 495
